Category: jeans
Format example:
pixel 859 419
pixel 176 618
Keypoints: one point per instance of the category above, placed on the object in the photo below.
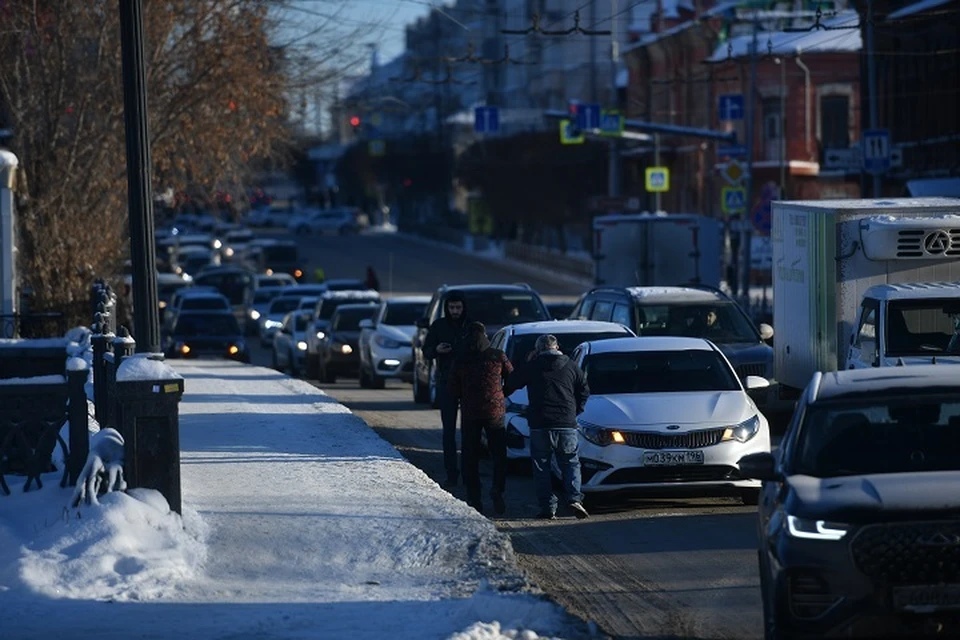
pixel 470 432
pixel 564 445
pixel 448 417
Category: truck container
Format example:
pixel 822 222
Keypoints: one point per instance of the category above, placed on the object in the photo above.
pixel 657 249
pixel 863 283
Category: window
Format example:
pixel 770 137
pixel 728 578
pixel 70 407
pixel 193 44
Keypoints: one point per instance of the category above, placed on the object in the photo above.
pixel 349 319
pixel 621 314
pixel 772 124
pixel 834 122
pixel 585 309
pixel 403 313
pixel 923 327
pixel 602 310
pixel 866 339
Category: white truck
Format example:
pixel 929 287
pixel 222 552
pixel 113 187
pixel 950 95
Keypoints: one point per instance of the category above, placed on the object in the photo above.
pixel 657 249
pixel 864 283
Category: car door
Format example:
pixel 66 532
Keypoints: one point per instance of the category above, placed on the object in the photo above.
pixel 423 325
pixel 864 349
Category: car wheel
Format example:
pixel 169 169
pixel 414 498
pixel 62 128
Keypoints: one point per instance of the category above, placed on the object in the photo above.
pixel 364 378
pixel 310 367
pixel 294 372
pixel 377 382
pixel 750 497
pixel 275 362
pixel 326 375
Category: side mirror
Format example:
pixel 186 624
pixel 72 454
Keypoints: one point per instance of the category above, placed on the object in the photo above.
pixel 423 323
pixel 366 323
pixel 756 382
pixel 759 466
pixel 766 331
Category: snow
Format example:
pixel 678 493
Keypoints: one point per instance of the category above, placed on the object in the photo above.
pixel 8 160
pixel 916 7
pixel 298 522
pixel 53 379
pixel 142 366
pixel 76 364
pixel 40 343
pixel 792 43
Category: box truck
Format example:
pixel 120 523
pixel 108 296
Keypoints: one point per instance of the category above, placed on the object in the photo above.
pixel 657 249
pixel 864 283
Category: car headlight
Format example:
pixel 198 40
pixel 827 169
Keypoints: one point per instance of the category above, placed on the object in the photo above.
pixel 815 529
pixel 229 252
pixel 183 348
pixel 321 335
pixel 162 304
pixel 217 244
pixel 254 314
pixel 743 431
pixel 272 324
pixel 234 349
pixel 599 435
pixel 346 349
pixel 302 345
pixel 387 343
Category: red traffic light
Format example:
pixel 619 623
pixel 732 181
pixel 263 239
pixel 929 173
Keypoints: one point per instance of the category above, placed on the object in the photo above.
pixel 354 121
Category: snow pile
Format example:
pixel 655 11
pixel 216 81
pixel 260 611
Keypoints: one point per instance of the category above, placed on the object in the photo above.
pixel 143 366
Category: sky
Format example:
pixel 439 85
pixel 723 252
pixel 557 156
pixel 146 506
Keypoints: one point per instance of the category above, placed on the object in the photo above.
pixel 298 521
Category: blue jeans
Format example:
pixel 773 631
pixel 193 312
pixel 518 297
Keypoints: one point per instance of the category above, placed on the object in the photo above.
pixel 562 444
pixel 448 418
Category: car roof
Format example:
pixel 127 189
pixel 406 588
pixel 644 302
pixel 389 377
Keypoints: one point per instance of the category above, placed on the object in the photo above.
pixel 675 294
pixel 192 313
pixel 304 289
pixel 200 290
pixel 914 290
pixel 650 343
pixel 567 326
pixel 408 300
pixel 171 278
pixel 486 287
pixel 369 294
pixel 351 307
pixel 886 381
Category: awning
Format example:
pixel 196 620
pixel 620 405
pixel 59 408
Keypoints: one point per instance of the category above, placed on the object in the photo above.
pixel 931 187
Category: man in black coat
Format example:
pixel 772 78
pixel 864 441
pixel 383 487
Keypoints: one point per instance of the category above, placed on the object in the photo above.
pixel 444 341
pixel 557 392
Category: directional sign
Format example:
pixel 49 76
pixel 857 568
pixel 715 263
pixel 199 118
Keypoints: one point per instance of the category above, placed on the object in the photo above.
pixel 733 151
pixel 486 119
pixel 588 116
pixel 658 179
pixel 377 148
pixel 569 133
pixel 876 150
pixel 733 200
pixel 842 159
pixel 611 123
pixel 731 107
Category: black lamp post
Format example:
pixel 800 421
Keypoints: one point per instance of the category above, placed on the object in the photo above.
pixel 146 323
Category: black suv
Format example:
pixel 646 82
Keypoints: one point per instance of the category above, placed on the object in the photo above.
pixel 685 311
pixel 495 305
pixel 859 518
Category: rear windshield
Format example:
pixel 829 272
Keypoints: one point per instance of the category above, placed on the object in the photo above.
pixel 720 322
pixel 658 372
pixel 261 296
pixel 284 305
pixel 404 313
pixel 504 307
pixel 520 346
pixel 349 319
pixel 329 305
pixel 207 325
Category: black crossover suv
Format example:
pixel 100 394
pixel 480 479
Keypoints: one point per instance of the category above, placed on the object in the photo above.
pixel 859 518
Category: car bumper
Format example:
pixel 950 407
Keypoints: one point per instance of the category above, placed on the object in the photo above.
pixel 344 363
pixel 518 437
pixel 392 363
pixel 621 468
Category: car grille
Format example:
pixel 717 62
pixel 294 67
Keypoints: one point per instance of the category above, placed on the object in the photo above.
pixel 810 596
pixel 757 369
pixel 909 553
pixel 698 473
pixel 691 440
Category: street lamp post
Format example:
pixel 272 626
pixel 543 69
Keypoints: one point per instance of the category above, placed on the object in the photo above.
pixel 146 322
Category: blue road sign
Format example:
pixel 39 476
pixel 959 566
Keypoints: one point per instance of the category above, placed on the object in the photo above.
pixel 761 216
pixel 588 116
pixel 733 151
pixel 734 199
pixel 486 119
pixel 731 106
pixel 611 123
pixel 876 150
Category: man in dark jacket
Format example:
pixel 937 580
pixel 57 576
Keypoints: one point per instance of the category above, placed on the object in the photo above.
pixel 476 381
pixel 557 392
pixel 443 342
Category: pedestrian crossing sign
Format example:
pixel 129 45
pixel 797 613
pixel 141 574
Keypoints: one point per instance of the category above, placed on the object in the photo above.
pixel 658 179
pixel 733 199
pixel 569 134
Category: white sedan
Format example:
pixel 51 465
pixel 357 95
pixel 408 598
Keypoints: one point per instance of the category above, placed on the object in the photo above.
pixel 386 340
pixel 667 414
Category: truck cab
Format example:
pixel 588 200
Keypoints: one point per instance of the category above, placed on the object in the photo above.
pixel 906 324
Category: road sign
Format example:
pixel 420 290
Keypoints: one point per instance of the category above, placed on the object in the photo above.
pixel 658 179
pixel 377 148
pixel 486 119
pixel 734 173
pixel 731 107
pixel 761 216
pixel 569 134
pixel 611 123
pixel 733 151
pixel 842 159
pixel 733 200
pixel 896 156
pixel 588 116
pixel 876 150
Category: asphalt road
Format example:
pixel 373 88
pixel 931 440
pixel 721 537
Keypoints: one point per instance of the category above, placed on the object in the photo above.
pixel 654 568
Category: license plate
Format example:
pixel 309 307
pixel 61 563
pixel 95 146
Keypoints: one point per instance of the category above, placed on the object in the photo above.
pixel 671 458
pixel 926 598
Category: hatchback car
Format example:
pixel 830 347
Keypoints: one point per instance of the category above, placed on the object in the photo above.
pixel 667 416
pixel 322 315
pixel 385 341
pixel 206 334
pixel 271 321
pixel 517 341
pixel 259 300
pixel 290 344
pixel 339 352
pixel 859 535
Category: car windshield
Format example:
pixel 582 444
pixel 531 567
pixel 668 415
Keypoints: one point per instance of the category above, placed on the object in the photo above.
pixel 719 322
pixel 233 285
pixel 346 285
pixel 262 296
pixel 284 305
pixel 922 327
pixel 329 305
pixel 497 308
pixel 658 372
pixel 404 313
pixel 300 322
pixel 349 319
pixel 561 310
pixel 880 435
pixel 203 303
pixel 207 325
pixel 280 253
pixel 520 346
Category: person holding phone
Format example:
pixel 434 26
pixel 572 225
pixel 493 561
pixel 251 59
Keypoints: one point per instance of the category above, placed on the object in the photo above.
pixel 443 343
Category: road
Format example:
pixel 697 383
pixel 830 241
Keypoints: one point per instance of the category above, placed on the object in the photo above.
pixel 638 568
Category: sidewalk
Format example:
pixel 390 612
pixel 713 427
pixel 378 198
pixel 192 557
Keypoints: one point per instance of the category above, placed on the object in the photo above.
pixel 299 522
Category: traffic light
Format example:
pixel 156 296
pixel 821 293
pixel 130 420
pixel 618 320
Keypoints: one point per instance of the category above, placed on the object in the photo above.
pixel 573 111
pixel 355 121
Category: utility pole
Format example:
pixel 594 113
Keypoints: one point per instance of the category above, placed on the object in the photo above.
pixel 745 217
pixel 872 85
pixel 613 170
pixel 146 321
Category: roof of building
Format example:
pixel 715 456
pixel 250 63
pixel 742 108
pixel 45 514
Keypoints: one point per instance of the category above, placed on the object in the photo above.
pixel 841 35
pixel 915 8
